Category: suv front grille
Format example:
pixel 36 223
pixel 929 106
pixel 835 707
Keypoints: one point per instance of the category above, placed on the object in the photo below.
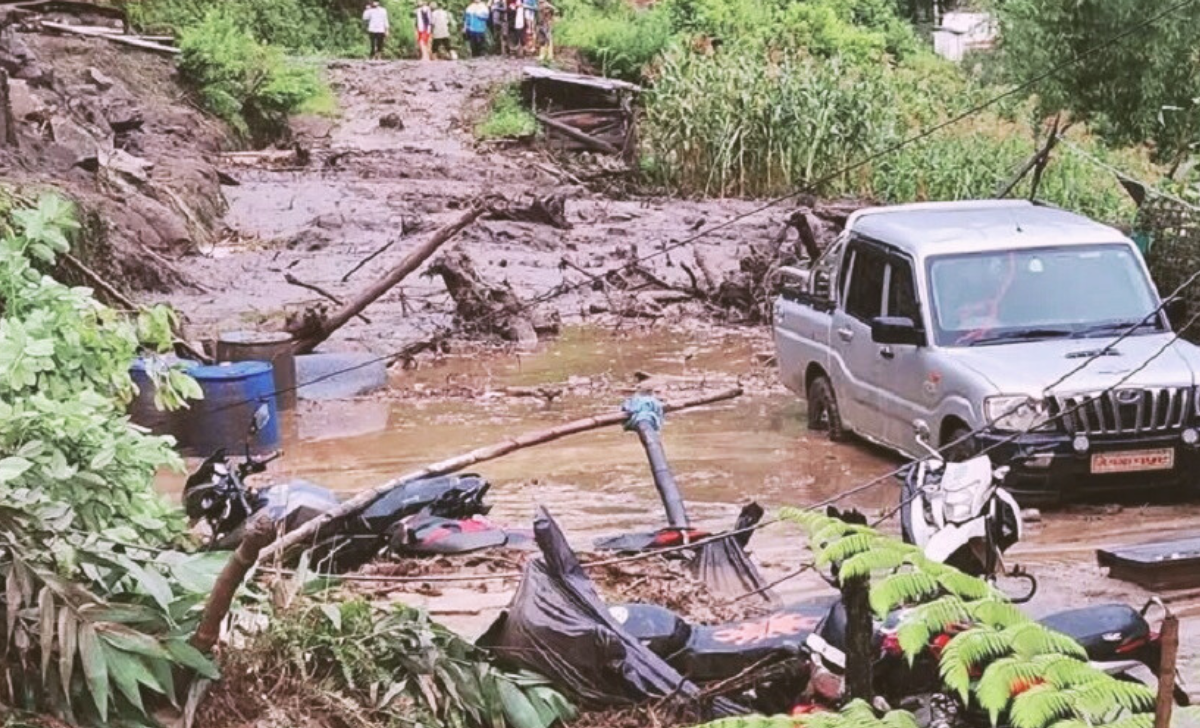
pixel 1123 411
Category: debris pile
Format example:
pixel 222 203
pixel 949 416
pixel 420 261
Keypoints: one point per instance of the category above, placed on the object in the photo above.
pixel 105 124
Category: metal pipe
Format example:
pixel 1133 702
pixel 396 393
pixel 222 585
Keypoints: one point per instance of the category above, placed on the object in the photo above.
pixel 646 420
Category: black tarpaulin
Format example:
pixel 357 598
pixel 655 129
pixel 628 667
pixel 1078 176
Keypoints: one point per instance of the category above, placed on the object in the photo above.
pixel 557 625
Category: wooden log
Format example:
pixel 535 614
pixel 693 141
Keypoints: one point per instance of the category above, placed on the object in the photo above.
pixel 112 37
pixel 579 136
pixel 259 533
pixel 312 336
pixel 8 129
pixel 1165 703
pixel 490 452
pixel 860 629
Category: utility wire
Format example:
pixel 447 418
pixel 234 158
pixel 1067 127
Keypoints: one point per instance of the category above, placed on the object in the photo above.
pixel 564 289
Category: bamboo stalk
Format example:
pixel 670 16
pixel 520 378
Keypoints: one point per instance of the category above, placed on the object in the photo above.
pixel 258 534
pixel 488 452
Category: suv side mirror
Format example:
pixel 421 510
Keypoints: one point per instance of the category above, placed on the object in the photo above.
pixel 896 330
pixel 1177 312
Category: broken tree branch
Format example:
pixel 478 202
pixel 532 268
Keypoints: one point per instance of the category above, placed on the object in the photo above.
pixel 317 329
pixel 121 299
pixel 579 136
pixel 320 292
pixel 259 533
pixel 490 452
pixel 378 251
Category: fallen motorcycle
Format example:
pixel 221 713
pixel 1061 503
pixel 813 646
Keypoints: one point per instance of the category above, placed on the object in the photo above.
pixel 436 515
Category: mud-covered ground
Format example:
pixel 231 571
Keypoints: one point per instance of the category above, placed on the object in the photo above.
pixel 367 185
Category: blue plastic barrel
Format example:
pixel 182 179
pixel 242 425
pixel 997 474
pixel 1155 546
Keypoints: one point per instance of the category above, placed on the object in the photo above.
pixel 232 393
pixel 142 410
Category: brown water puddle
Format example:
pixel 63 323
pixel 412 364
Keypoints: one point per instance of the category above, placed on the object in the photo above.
pixel 755 447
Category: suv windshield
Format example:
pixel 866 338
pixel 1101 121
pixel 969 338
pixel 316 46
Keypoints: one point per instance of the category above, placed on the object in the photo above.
pixel 1040 293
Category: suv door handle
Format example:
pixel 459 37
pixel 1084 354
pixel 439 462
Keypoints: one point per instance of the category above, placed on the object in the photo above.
pixel 845 333
pixel 887 353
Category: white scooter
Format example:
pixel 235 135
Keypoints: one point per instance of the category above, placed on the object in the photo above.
pixel 958 513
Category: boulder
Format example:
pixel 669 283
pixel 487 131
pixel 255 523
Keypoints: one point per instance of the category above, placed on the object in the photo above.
pixel 101 81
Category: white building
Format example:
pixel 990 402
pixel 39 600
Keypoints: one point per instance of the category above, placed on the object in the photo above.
pixel 959 33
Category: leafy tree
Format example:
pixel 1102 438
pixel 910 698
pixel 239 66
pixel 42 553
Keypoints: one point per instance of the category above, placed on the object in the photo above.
pixel 64 386
pixel 1145 87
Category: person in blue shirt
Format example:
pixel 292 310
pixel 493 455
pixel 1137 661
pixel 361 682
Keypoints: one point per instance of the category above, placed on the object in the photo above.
pixel 475 24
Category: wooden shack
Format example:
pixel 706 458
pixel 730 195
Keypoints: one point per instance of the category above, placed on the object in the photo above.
pixel 580 112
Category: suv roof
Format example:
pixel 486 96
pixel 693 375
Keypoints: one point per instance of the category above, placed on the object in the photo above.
pixel 969 226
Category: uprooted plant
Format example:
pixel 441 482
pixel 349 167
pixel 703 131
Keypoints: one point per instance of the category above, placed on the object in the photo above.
pixel 392 666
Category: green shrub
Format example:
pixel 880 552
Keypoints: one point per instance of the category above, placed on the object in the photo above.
pixel 506 118
pixel 249 84
pixel 618 42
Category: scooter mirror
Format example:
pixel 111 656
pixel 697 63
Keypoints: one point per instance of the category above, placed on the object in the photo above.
pixel 262 416
pixel 921 430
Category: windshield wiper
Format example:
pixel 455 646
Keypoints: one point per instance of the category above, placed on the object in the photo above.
pixel 1022 335
pixel 1117 326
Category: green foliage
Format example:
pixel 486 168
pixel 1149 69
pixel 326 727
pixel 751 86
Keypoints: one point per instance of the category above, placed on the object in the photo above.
pixel 64 384
pixel 618 39
pixel 92 628
pixel 1012 665
pixel 1145 88
pixel 855 714
pixel 244 81
pixel 404 668
pixel 506 117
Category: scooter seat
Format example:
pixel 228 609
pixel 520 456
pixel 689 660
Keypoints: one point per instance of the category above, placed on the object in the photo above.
pixel 662 631
pixel 1101 629
pixel 720 651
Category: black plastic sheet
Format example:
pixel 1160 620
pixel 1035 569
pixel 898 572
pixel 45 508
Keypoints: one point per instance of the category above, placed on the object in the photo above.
pixel 557 625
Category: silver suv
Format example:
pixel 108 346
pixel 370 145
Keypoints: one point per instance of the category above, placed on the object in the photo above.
pixel 963 314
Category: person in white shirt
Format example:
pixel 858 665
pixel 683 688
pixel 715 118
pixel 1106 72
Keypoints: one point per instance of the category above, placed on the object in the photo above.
pixel 376 19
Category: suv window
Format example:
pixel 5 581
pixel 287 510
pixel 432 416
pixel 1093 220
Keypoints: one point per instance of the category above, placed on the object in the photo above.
pixel 864 300
pixel 902 293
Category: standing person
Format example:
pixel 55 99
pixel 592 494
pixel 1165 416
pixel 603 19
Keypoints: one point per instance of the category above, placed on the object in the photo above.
pixel 475 23
pixel 516 27
pixel 531 23
pixel 498 25
pixel 546 32
pixel 424 30
pixel 440 20
pixel 376 19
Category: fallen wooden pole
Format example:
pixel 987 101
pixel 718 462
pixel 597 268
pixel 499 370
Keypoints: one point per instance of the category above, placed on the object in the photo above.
pixel 458 462
pixel 258 534
pixel 116 296
pixel 320 292
pixel 112 37
pixel 308 340
pixel 1169 637
pixel 578 135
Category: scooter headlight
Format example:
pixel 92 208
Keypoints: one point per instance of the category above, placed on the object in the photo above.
pixel 1016 413
pixel 959 505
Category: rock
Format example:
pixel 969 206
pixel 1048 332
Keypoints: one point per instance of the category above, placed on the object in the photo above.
pixel 72 136
pixel 521 331
pixel 26 106
pixel 133 169
pixel 434 86
pixel 1031 515
pixel 310 127
pixel 102 81
pixel 391 121
pixel 329 222
pixel 309 240
pixel 38 75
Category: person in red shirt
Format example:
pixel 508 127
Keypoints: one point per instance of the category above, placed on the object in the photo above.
pixel 425 30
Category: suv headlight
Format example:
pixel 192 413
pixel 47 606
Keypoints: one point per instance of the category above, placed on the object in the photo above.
pixel 1016 412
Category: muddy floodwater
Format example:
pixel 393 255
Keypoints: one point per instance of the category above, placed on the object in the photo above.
pixel 755 447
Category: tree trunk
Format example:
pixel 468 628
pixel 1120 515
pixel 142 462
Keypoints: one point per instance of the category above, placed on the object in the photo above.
pixel 860 628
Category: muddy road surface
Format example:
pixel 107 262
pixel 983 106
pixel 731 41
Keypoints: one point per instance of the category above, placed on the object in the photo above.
pixel 368 185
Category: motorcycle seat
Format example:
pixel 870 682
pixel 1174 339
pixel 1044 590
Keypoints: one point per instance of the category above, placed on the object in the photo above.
pixel 662 631
pixel 1101 629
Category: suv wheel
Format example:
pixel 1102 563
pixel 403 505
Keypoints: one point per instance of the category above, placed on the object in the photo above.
pixel 960 445
pixel 823 414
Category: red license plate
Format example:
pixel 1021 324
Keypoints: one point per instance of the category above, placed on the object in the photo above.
pixel 1133 461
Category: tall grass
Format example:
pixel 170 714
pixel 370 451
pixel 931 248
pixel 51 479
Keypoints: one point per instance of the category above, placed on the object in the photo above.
pixel 738 125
